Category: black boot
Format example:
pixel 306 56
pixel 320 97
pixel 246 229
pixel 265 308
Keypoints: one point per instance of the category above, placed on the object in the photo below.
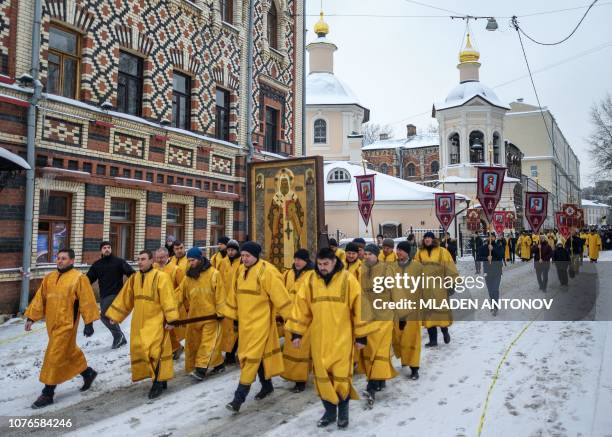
pixel 299 387
pixel 156 389
pixel 446 335
pixel 414 373
pixel 381 385
pixel 218 369
pixel 239 397
pixel 266 389
pixel 230 358
pixel 46 398
pixel 88 375
pixel 343 413
pixel 199 373
pixel 329 416
pixel 266 384
pixel 433 336
pixel 119 341
pixel 370 393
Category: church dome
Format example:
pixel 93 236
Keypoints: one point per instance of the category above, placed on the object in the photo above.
pixel 466 91
pixel 469 53
pixel 327 89
pixel 321 28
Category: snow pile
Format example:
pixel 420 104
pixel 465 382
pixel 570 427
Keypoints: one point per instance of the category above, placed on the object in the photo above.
pixel 466 91
pixel 412 142
pixel 327 89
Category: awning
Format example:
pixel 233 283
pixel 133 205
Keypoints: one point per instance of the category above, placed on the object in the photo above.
pixel 10 161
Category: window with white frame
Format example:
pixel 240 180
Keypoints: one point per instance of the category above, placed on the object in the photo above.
pixel 320 131
pixel 338 175
pixel 534 171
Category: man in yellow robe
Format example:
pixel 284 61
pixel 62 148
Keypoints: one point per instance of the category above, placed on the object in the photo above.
pixel 162 262
pixel 437 266
pixel 584 236
pixel 150 295
pixel 329 305
pixel 221 252
pixel 179 259
pixel 387 254
pixel 62 297
pixel 523 246
pixel 333 245
pixel 229 333
pixel 257 295
pixel 353 263
pixel 361 244
pixel 203 295
pixel 407 329
pixel 297 360
pixel 375 359
pixel 594 245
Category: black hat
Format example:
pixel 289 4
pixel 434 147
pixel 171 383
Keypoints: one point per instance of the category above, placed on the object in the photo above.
pixel 302 254
pixel 403 245
pixel 233 244
pixel 388 242
pixel 223 240
pixel 333 242
pixel 326 253
pixel 372 248
pixel 105 243
pixel 429 234
pixel 351 247
pixel 359 241
pixel 251 247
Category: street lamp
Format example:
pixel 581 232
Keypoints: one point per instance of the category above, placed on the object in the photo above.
pixel 491 24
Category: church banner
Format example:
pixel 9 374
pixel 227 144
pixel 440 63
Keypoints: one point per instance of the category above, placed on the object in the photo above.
pixel 499 221
pixel 365 195
pixel 286 207
pixel 445 208
pixel 580 217
pixel 536 206
pixel 571 214
pixel 561 223
pixel 510 219
pixel 490 184
pixel 473 219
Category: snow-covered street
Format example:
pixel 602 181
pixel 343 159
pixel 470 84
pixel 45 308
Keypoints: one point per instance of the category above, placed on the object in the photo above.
pixel 555 378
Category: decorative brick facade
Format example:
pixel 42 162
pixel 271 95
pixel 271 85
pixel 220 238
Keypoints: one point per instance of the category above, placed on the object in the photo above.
pixel 96 155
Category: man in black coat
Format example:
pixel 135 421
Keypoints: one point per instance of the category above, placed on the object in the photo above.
pixel 475 244
pixel 491 254
pixel 561 258
pixel 574 246
pixel 109 271
pixel 512 249
pixel 542 254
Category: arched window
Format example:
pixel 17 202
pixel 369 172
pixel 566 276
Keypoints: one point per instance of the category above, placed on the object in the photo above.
pixel 273 26
pixel 476 146
pixel 384 168
pixel 338 175
pixel 435 167
pixel 320 131
pixel 453 147
pixel 495 147
pixel 410 170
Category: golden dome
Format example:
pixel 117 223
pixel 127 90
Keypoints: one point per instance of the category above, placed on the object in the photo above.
pixel 321 28
pixel 469 53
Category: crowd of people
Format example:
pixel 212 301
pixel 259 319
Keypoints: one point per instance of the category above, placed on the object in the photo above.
pixel 237 308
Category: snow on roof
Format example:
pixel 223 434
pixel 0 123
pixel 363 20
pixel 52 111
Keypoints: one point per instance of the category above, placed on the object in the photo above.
pixel 328 89
pixel 466 91
pixel 413 142
pixel 587 202
pixel 387 188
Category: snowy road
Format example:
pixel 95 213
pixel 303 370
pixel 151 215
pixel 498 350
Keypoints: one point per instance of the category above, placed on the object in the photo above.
pixel 555 380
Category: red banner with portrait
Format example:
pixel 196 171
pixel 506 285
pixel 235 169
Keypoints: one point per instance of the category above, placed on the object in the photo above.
pixel 510 219
pixel 561 224
pixel 499 221
pixel 445 208
pixel 365 196
pixel 473 219
pixel 571 214
pixel 490 184
pixel 536 207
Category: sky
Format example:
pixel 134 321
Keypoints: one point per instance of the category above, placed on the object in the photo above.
pixel 399 66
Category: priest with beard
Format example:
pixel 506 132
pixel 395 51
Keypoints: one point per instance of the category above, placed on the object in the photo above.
pixel 221 253
pixel 330 302
pixel 229 332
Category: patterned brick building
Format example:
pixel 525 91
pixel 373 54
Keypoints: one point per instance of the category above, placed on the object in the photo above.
pixel 142 127
pixel 414 158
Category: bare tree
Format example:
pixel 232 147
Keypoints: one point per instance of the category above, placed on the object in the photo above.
pixel 372 132
pixel 601 137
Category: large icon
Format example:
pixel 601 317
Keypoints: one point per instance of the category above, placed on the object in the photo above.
pixel 536 204
pixel 445 208
pixel 490 183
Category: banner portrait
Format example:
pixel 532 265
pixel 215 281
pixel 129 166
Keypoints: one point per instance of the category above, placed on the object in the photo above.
pixel 445 208
pixel 286 207
pixel 499 221
pixel 510 219
pixel 473 219
pixel 536 207
pixel 571 214
pixel 561 224
pixel 490 183
pixel 365 196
